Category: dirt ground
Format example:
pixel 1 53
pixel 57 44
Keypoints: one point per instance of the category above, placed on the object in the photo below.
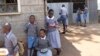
pixel 81 41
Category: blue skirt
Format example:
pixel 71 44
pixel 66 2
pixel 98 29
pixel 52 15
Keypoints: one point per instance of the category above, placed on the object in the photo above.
pixel 49 53
pixel 54 38
pixel 31 41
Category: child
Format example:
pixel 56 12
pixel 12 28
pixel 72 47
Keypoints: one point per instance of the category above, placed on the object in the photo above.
pixel 32 31
pixel 78 20
pixel 43 45
pixel 10 40
pixel 53 32
pixel 85 16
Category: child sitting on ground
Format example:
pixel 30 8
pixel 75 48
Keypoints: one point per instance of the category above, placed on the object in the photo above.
pixel 43 46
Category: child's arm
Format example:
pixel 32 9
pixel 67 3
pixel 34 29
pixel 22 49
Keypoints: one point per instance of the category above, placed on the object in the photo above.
pixel 56 24
pixel 46 24
pixel 37 45
pixel 49 45
pixel 26 28
pixel 37 29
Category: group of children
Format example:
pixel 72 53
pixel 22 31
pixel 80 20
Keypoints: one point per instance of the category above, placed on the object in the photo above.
pixel 82 17
pixel 40 42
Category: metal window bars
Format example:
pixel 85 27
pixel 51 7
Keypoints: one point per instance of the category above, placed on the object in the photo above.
pixel 7 6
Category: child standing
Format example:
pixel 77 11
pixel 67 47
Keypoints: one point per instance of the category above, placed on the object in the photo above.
pixel 32 31
pixel 78 20
pixel 85 16
pixel 53 32
pixel 43 45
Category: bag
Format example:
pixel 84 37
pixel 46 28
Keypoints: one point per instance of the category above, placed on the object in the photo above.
pixel 17 54
pixel 21 48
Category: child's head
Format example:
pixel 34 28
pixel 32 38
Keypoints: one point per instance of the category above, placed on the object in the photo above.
pixel 6 27
pixel 42 32
pixel 63 5
pixel 32 19
pixel 51 13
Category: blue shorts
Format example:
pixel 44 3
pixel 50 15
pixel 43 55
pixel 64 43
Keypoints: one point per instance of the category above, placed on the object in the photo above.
pixel 31 41
pixel 63 19
pixel 78 19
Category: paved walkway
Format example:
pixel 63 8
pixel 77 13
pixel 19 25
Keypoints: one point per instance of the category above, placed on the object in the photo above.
pixel 81 41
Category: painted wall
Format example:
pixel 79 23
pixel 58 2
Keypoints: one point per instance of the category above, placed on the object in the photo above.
pixel 92 8
pixel 93 13
pixel 57 6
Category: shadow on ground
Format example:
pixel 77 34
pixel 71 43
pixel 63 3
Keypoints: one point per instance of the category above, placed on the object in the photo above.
pixel 78 34
pixel 68 48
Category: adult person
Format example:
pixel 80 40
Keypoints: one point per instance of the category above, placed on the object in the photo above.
pixel 10 40
pixel 63 18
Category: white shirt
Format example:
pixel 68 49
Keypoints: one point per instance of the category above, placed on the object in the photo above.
pixel 43 38
pixel 64 11
pixel 50 18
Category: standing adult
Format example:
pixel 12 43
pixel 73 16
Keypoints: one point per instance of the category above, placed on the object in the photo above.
pixel 10 40
pixel 63 17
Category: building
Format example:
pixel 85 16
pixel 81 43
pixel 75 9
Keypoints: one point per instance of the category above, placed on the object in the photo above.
pixel 17 12
pixel 75 4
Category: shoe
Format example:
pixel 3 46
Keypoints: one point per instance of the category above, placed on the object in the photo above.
pixel 63 33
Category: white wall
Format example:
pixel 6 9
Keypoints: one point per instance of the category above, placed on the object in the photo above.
pixel 56 7
pixel 98 4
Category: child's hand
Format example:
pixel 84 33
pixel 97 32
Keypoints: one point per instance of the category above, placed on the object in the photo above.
pixel 52 26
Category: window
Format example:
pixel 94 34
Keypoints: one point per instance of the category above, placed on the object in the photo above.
pixel 9 7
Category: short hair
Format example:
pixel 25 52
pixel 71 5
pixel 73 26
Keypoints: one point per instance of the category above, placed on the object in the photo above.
pixel 43 30
pixel 63 5
pixel 31 16
pixel 51 10
pixel 7 25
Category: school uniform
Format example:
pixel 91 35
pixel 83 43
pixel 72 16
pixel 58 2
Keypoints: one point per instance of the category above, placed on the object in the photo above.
pixel 44 47
pixel 85 15
pixel 53 33
pixel 32 31
pixel 78 16
pixel 63 17
pixel 10 43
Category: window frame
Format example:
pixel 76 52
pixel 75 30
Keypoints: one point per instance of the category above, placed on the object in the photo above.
pixel 14 13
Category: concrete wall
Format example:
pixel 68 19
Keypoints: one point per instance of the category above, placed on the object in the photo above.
pixel 28 7
pixel 99 16
pixel 56 7
pixel 71 13
pixel 93 15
